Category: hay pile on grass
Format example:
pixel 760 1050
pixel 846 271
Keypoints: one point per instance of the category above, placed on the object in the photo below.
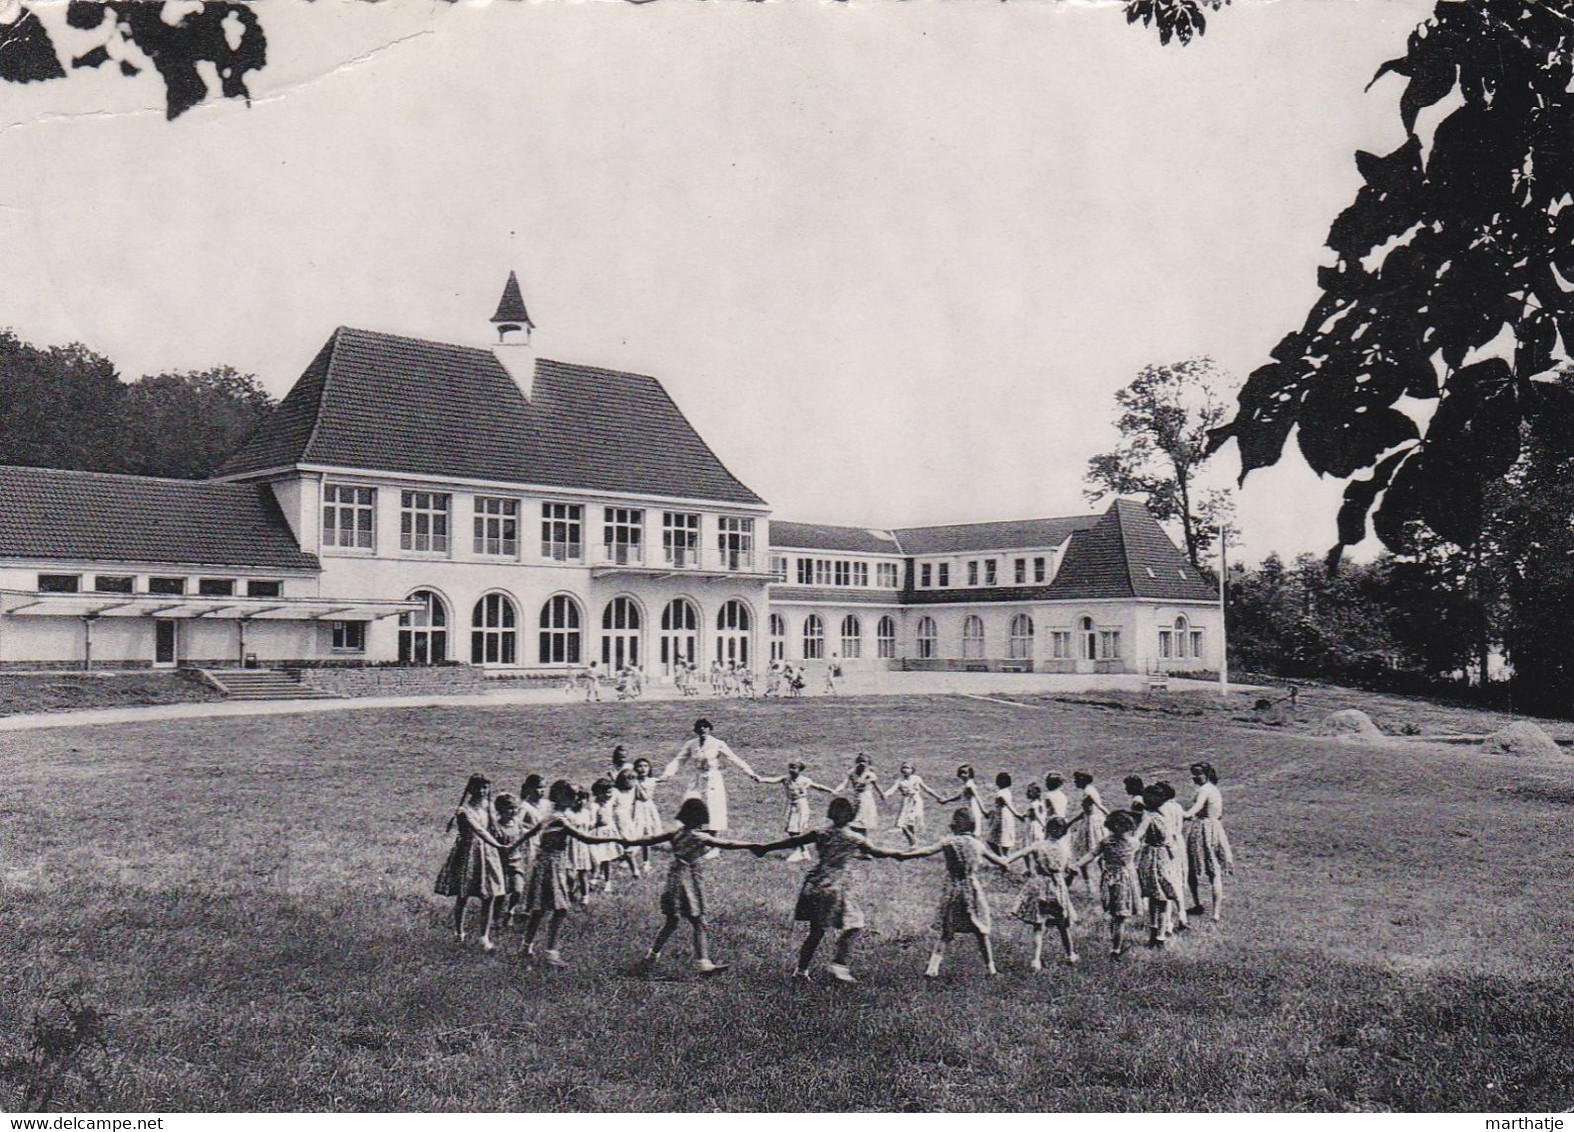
pixel 1521 738
pixel 1350 725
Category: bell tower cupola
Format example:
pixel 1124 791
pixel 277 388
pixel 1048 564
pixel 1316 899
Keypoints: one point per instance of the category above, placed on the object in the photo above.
pixel 513 348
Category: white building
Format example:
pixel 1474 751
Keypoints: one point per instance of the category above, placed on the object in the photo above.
pixel 417 502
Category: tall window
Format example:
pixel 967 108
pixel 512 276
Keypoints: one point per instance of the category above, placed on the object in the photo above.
pixel 562 531
pixel 680 538
pixel 494 631
pixel 1166 644
pixel 620 634
pixel 852 638
pixel 1089 639
pixel 972 573
pixel 423 633
pixel 1021 571
pixel 973 638
pixel 733 625
pixel 822 571
pixel 1060 644
pixel 680 634
pixel 1021 637
pixel 1109 644
pixel 623 535
pixel 560 634
pixel 925 575
pixel 844 573
pixel 778 568
pixel 806 571
pixel 886 575
pixel 423 521
pixel 1196 643
pixel 944 578
pixel 990 577
pixel 860 573
pixel 497 526
pixel 778 637
pixel 348 515
pixel 1038 570
pixel 813 637
pixel 735 540
pixel 927 638
pixel 885 638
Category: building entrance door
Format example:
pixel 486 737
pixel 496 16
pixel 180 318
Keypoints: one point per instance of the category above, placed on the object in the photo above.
pixel 166 643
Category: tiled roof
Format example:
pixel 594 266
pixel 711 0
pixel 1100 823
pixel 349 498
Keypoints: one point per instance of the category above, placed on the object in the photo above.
pixel 1123 553
pixel 821 536
pixel 964 538
pixel 385 403
pixel 46 513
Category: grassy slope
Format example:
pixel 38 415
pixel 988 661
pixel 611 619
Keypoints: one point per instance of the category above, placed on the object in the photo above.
pixel 251 898
pixel 64 691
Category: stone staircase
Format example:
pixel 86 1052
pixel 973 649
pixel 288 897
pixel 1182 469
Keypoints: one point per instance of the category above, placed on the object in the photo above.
pixel 262 684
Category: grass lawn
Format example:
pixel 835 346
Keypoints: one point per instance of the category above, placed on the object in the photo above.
pixel 250 899
pixel 74 691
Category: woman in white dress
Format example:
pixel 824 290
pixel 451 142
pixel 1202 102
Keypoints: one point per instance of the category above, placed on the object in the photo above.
pixel 1207 845
pixel 705 756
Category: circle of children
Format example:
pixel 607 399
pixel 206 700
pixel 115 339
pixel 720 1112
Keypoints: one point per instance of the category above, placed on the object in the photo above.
pixel 536 858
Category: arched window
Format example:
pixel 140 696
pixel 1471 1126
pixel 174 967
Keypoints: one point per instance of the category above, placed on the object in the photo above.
pixel 885 638
pixel 1090 639
pixel 813 638
pixel 423 633
pixel 973 638
pixel 620 634
pixel 778 637
pixel 494 631
pixel 560 631
pixel 852 638
pixel 680 634
pixel 733 625
pixel 1021 637
pixel 927 637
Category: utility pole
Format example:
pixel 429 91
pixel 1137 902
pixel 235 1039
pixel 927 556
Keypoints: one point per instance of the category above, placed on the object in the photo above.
pixel 1224 637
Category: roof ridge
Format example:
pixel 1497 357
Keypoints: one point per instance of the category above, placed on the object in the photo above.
pixel 96 474
pixel 482 350
pixel 1095 516
pixel 322 394
pixel 1125 551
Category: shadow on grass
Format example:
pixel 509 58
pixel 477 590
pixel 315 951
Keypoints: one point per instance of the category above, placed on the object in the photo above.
pixel 264 1003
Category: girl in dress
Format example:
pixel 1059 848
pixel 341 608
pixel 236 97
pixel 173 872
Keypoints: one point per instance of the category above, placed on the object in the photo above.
pixel 647 817
pixel 969 795
pixel 1035 815
pixel 1172 816
pixel 863 786
pixel 1119 891
pixel 1045 901
pixel 705 756
pixel 1207 845
pixel 623 819
pixel 1085 837
pixel 512 821
pixel 582 865
pixel 1155 875
pixel 684 896
pixel 964 909
pixel 619 763
pixel 549 895
pixel 474 869
pixel 795 790
pixel 826 899
pixel 1055 797
pixel 1003 817
pixel 603 823
pixel 912 788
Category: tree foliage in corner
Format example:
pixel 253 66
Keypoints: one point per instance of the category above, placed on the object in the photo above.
pixel 1166 414
pixel 1449 251
pixel 173 37
pixel 1174 19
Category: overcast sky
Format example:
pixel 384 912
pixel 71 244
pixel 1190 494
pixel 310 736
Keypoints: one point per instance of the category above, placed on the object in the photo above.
pixel 893 260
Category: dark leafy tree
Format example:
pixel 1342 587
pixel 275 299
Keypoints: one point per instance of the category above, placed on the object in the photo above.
pixel 59 407
pixel 1166 414
pixel 186 424
pixel 1174 19
pixel 1451 284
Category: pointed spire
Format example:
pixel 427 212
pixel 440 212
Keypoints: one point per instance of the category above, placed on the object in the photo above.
pixel 511 314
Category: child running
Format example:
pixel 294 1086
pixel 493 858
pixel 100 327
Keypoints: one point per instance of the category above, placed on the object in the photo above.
pixel 1045 900
pixel 795 789
pixel 964 908
pixel 826 899
pixel 1119 891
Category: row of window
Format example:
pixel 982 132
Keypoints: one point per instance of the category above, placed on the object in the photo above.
pixel 349 520
pixel 837 572
pixel 985 572
pixel 173 586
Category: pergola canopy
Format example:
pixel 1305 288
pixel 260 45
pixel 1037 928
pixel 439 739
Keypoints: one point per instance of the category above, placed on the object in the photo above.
pixel 31 603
